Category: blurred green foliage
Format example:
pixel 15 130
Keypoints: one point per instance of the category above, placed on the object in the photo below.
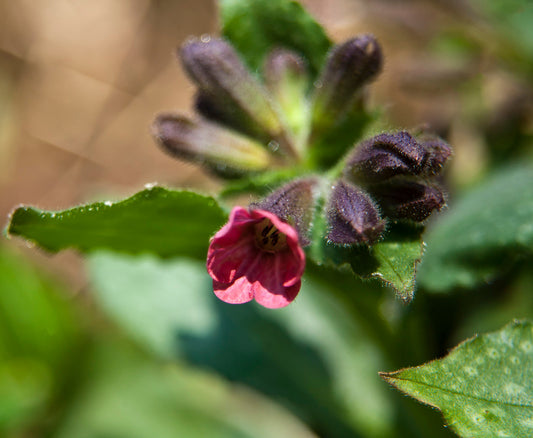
pixel 155 354
pixel 40 336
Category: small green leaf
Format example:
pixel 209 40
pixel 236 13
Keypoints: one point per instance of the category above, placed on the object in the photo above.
pixel 397 256
pixel 484 387
pixel 257 26
pixel 392 260
pixel 484 233
pixel 157 220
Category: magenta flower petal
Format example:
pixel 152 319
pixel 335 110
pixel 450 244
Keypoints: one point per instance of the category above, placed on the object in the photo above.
pixel 264 295
pixel 232 244
pixel 292 261
pixel 239 292
pixel 256 255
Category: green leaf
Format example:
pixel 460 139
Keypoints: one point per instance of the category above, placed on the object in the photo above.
pixel 39 338
pixel 482 234
pixel 484 387
pixel 131 396
pixel 393 260
pixel 397 256
pixel 313 357
pixel 257 26
pixel 157 220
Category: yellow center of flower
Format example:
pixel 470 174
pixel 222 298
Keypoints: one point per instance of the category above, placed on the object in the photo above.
pixel 268 237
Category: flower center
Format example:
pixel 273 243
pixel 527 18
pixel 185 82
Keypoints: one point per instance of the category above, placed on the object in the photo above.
pixel 268 237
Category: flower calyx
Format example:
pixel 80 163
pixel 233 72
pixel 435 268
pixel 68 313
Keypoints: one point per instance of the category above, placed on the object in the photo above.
pixel 395 169
pixel 393 154
pixel 353 217
pixel 349 67
pixel 293 203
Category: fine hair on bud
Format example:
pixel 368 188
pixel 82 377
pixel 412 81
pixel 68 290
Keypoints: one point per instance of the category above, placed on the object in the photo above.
pixel 385 156
pixel 438 153
pixel 408 199
pixel 353 217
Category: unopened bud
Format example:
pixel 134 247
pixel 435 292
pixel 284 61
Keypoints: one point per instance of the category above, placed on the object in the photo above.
pixel 228 89
pixel 385 156
pixel 352 216
pixel 287 80
pixel 292 203
pixel 438 152
pixel 209 144
pixel 408 199
pixel 350 66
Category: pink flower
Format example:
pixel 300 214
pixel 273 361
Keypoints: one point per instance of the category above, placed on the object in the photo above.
pixel 256 255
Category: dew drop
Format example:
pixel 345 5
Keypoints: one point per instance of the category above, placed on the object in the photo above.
pixel 150 186
pixel 205 38
pixel 273 145
pixel 318 84
pixel 108 203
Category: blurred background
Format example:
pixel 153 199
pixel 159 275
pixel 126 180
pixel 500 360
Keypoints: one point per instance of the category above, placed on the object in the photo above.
pixel 80 83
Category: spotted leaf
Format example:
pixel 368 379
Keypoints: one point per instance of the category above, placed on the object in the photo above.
pixel 484 387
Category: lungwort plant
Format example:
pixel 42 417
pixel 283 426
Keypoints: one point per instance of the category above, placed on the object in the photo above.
pixel 331 227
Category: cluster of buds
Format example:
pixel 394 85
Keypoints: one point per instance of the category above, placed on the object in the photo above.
pixel 386 177
pixel 247 126
pixel 244 125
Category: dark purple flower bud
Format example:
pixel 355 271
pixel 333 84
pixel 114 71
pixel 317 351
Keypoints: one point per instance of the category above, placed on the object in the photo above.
pixel 292 203
pixel 385 156
pixel 438 152
pixel 352 216
pixel 228 91
pixel 209 144
pixel 408 199
pixel 287 80
pixel 350 66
